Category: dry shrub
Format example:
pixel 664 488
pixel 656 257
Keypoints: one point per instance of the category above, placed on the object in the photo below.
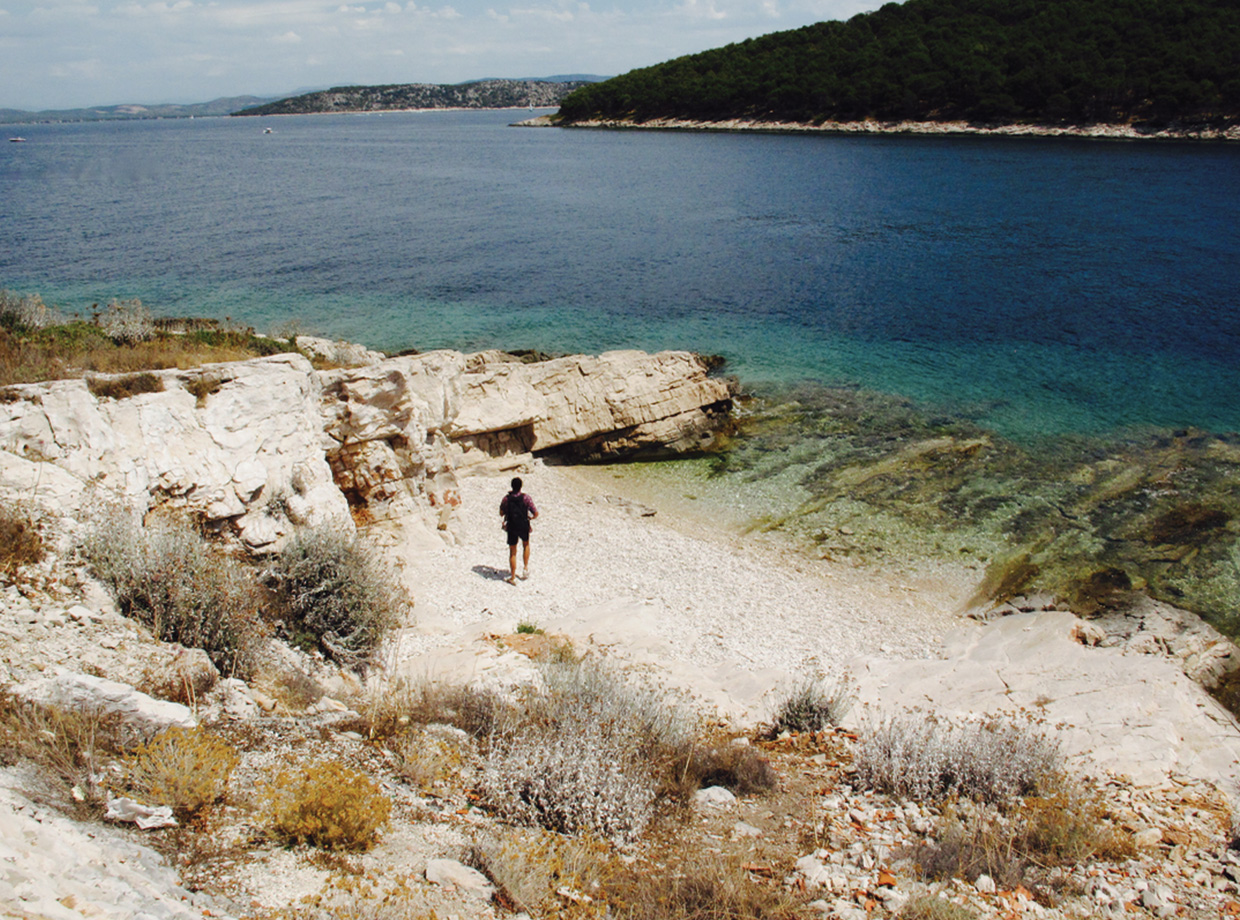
pixel 333 595
pixel 26 311
pixel 933 907
pixel 702 890
pixel 426 758
pixel 587 753
pixel 71 746
pixel 926 757
pixel 171 579
pixel 545 874
pixel 20 541
pixel 126 322
pixel 1066 826
pixel 187 769
pixel 739 767
pixel 810 706
pixel 202 386
pixel 324 804
pixel 399 704
pixel 124 387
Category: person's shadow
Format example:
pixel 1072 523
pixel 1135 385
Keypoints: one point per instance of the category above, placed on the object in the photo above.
pixel 491 572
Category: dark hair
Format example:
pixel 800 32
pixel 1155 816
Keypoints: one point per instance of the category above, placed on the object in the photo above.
pixel 516 483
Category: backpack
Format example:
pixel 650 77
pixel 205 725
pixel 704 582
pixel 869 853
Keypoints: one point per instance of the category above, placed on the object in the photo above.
pixel 516 511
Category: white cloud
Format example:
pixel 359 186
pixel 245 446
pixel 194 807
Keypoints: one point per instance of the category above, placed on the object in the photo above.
pixel 77 70
pixel 288 38
pixel 701 9
pixel 546 14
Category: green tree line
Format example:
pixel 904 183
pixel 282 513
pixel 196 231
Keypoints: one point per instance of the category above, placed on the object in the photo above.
pixel 1038 61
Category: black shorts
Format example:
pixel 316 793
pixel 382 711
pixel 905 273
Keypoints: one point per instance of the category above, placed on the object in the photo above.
pixel 517 532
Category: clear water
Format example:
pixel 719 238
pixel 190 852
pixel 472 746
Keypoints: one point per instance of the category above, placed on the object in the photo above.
pixel 1038 287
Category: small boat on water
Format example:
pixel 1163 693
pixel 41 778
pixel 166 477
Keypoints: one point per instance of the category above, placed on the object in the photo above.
pixel 266 130
pixel 17 140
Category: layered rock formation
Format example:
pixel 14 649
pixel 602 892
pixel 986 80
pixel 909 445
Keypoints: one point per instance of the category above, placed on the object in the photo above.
pixel 261 447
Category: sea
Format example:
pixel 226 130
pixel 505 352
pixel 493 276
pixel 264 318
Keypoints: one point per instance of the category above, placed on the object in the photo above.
pixel 1063 303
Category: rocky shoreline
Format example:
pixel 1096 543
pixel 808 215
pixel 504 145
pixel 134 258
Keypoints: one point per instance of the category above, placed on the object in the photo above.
pixel 414 452
pixel 947 128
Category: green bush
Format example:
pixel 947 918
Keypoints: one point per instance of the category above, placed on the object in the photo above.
pixel 333 596
pixel 169 578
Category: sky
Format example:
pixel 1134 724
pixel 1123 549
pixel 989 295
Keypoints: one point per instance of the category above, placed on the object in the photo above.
pixel 57 54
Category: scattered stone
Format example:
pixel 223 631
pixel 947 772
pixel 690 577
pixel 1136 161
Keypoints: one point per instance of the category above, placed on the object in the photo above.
pixel 714 797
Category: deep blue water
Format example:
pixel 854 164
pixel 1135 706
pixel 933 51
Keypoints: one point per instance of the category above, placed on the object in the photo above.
pixel 1040 286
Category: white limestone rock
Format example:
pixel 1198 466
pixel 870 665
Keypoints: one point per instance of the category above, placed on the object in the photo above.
pixel 226 452
pixel 141 714
pixel 1133 715
pixel 454 876
pixel 344 354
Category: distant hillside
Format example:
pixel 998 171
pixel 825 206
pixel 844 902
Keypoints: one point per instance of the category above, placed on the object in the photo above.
pixel 223 106
pixel 1036 61
pixel 482 94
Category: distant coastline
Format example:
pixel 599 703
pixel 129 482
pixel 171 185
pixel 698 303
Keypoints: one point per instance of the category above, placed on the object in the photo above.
pixel 1095 131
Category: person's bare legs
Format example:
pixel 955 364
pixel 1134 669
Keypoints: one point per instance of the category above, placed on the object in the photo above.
pixel 525 559
pixel 512 562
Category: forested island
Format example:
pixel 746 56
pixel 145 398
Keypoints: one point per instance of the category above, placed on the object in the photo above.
pixel 1049 62
pixel 481 94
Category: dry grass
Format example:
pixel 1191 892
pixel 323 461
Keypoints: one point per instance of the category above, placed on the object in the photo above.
pixel 701 890
pixel 1068 826
pixel 70 746
pixel 124 386
pixel 741 768
pixel 810 706
pixel 545 874
pixel 397 705
pixel 929 907
pixel 20 541
pixel 37 343
pixel 426 759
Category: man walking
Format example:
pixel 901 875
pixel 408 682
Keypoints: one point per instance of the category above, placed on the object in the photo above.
pixel 516 510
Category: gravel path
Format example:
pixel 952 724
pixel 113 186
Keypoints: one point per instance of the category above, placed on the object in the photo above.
pixel 710 599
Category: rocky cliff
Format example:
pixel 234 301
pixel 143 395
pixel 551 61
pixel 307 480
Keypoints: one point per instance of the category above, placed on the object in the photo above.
pixel 261 447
